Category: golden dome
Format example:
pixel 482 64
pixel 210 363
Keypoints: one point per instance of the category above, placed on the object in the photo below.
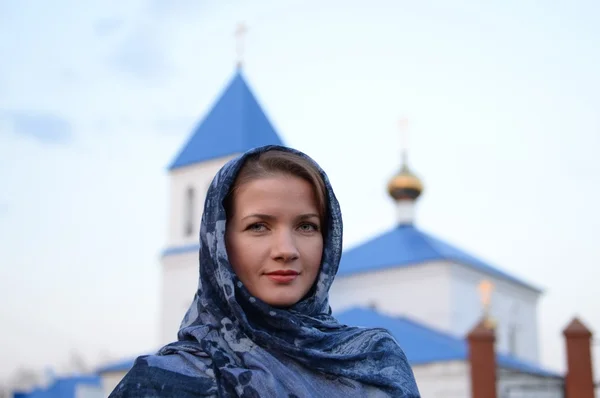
pixel 405 185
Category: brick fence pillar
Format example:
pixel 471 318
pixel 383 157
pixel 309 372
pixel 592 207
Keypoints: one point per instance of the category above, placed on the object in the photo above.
pixel 482 360
pixel 580 379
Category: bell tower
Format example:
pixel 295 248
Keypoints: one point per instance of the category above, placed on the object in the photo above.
pixel 235 123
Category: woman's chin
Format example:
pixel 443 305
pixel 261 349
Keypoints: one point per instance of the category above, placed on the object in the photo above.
pixel 281 300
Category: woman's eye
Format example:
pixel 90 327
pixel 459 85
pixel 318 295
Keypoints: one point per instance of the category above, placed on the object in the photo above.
pixel 256 227
pixel 308 227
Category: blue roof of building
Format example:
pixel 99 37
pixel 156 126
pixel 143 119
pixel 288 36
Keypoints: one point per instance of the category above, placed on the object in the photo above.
pixel 120 366
pixel 403 246
pixel 406 245
pixel 235 124
pixel 61 387
pixel 423 345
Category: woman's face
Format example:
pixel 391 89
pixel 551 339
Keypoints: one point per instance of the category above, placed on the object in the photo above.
pixel 274 239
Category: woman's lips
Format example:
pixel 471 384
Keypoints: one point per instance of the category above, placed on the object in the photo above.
pixel 283 276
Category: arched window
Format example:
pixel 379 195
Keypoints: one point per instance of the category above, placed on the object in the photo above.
pixel 190 198
pixel 512 339
pixel 513 330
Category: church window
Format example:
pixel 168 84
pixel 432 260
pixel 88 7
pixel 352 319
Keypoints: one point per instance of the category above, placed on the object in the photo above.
pixel 512 339
pixel 513 329
pixel 189 211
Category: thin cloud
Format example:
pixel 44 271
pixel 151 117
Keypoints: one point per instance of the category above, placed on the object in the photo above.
pixel 142 56
pixel 165 7
pixel 6 11
pixel 175 126
pixel 143 44
pixel 46 128
pixel 3 209
pixel 108 26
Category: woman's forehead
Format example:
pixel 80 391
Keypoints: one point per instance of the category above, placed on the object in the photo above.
pixel 275 194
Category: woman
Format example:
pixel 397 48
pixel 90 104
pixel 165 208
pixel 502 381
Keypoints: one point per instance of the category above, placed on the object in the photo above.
pixel 260 324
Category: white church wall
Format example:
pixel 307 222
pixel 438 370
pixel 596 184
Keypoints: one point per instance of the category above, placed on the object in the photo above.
pixel 199 178
pixel 513 307
pixel 521 385
pixel 443 379
pixel 89 391
pixel 420 292
pixel 452 380
pixel 180 271
pixel 179 284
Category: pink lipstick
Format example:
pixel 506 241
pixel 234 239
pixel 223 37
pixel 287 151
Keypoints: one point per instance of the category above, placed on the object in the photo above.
pixel 283 276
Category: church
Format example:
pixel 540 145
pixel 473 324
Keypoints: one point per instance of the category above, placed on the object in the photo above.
pixel 424 290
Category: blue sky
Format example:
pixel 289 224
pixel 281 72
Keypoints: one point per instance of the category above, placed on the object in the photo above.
pixel 97 97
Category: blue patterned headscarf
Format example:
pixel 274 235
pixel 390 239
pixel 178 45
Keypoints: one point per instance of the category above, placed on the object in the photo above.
pixel 231 344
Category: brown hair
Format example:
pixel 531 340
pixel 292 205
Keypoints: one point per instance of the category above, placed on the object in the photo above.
pixel 276 162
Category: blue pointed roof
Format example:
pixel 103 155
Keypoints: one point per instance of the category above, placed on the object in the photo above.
pixel 235 124
pixel 423 345
pixel 406 245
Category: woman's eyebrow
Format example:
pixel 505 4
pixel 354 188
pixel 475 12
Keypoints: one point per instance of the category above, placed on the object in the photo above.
pixel 309 215
pixel 259 215
pixel 269 217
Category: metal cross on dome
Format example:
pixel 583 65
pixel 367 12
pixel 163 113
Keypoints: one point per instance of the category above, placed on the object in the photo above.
pixel 403 127
pixel 240 32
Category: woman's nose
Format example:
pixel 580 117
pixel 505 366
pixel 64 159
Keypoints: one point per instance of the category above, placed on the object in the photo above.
pixel 284 246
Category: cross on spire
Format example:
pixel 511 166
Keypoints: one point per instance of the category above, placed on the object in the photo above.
pixel 403 127
pixel 240 32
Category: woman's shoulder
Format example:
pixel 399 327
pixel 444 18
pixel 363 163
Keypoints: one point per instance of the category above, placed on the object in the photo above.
pixel 373 339
pixel 384 345
pixel 152 377
pixel 384 358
